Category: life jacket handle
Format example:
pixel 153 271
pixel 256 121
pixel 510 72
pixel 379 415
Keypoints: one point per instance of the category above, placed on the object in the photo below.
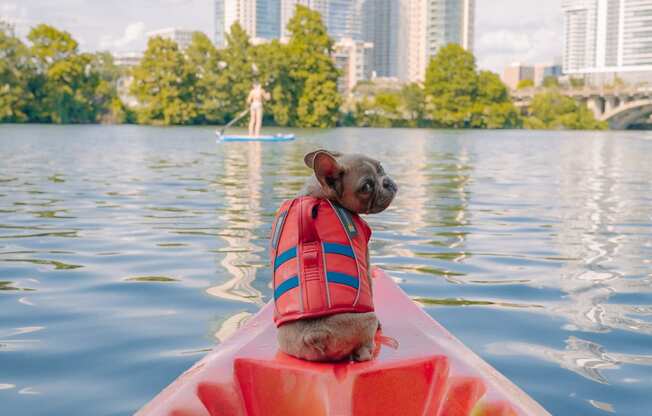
pixel 307 230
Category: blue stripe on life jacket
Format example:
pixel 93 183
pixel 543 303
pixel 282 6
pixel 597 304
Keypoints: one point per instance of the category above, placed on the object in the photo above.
pixel 335 248
pixel 289 284
pixel 343 279
pixel 287 255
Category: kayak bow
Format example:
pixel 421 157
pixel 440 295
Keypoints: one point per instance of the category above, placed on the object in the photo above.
pixel 419 368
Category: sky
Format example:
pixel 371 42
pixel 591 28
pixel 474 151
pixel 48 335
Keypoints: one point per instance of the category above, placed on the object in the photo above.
pixel 506 31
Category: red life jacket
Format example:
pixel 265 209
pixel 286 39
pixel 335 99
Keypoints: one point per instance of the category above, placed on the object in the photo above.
pixel 319 260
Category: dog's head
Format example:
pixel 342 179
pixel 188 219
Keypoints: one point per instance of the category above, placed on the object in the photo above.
pixel 357 182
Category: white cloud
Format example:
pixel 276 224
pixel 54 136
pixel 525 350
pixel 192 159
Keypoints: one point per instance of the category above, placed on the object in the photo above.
pixel 16 16
pixel 133 33
pixel 517 31
pixel 502 47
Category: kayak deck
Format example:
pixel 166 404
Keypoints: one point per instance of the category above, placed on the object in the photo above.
pixel 262 138
pixel 419 368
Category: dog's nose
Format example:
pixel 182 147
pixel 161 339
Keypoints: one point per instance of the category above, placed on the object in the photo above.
pixel 389 184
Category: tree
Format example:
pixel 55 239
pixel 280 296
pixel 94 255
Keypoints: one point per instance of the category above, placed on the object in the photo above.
pixel 450 86
pixel 577 83
pixel 164 85
pixel 211 92
pixel 313 72
pixel 106 95
pixel 414 103
pixel 459 96
pixel 237 75
pixel 50 45
pixel 271 60
pixel 68 86
pixel 493 108
pixel 16 69
pixel 553 110
pixel 551 82
pixel 524 84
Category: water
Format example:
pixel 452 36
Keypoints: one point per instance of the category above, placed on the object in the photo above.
pixel 127 252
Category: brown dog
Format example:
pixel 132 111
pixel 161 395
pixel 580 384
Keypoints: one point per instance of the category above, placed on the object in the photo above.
pixel 359 184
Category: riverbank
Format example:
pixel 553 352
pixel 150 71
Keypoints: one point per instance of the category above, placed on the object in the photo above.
pixel 48 80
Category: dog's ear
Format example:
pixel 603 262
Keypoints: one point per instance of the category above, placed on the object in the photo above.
pixel 327 170
pixel 309 158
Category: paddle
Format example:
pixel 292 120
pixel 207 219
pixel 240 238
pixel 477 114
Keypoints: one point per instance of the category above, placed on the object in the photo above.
pixel 230 123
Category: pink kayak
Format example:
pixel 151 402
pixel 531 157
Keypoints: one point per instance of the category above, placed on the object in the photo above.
pixel 419 368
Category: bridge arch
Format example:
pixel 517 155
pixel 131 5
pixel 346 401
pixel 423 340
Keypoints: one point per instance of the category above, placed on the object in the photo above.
pixel 627 114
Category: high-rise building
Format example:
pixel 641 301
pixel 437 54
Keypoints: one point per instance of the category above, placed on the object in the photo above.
pixel 261 19
pixel 354 58
pixel 579 34
pixel 380 27
pixel 181 36
pixel 543 71
pixel 288 7
pixel 268 19
pixel 343 18
pixel 427 25
pixel 607 37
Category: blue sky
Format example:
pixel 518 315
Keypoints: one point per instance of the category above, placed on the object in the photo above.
pixel 506 30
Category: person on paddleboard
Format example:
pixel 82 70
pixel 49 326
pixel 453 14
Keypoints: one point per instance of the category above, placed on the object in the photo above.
pixel 255 100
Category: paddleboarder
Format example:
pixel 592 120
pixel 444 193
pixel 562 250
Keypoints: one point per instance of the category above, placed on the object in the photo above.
pixel 255 100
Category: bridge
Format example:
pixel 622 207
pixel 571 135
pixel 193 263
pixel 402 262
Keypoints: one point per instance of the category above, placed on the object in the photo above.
pixel 622 108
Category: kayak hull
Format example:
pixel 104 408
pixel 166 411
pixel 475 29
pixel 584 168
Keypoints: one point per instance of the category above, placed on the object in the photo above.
pixel 419 368
pixel 246 138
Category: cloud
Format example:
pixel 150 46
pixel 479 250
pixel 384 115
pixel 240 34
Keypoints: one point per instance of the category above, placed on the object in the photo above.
pixel 16 16
pixel 133 33
pixel 531 32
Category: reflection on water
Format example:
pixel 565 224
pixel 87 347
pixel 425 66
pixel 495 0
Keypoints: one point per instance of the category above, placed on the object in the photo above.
pixel 127 252
pixel 242 184
pixel 585 358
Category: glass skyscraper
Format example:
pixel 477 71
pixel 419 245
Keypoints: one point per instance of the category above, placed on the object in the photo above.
pixel 261 19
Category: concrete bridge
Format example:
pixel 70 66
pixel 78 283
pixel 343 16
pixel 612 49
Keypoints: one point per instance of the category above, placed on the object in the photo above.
pixel 621 108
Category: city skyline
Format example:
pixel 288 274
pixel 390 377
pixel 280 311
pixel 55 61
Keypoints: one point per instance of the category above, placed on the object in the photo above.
pixel 532 31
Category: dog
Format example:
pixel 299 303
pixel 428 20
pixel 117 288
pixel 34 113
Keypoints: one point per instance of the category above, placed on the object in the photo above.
pixel 360 185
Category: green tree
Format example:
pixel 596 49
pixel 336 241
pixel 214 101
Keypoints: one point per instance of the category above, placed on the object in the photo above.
pixel 459 96
pixel 164 85
pixel 68 86
pixel 553 110
pixel 387 107
pixel 450 86
pixel 237 71
pixel 414 103
pixel 577 83
pixel 524 84
pixel 493 108
pixel 312 71
pixel 551 82
pixel 106 95
pixel 271 60
pixel 16 70
pixel 211 92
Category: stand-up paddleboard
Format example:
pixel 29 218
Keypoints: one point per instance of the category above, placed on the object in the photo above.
pixel 247 138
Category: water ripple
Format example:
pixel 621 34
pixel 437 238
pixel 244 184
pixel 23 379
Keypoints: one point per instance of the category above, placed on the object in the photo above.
pixel 126 252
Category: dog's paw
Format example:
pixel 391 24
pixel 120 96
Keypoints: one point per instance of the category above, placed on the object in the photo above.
pixel 363 353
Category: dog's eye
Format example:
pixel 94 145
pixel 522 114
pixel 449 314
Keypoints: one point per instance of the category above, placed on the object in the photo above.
pixel 367 187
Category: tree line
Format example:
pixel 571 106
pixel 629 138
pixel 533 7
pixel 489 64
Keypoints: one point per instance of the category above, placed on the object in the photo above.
pixel 49 80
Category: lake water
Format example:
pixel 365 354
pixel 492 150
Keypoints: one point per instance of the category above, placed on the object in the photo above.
pixel 127 252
